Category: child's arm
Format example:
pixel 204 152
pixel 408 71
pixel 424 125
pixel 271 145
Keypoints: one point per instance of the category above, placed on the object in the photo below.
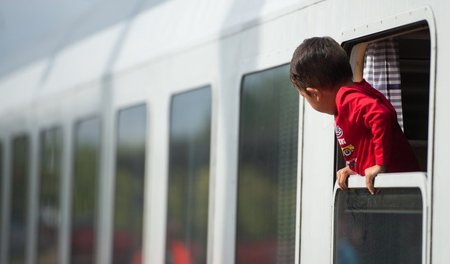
pixel 357 60
pixel 380 120
pixel 342 176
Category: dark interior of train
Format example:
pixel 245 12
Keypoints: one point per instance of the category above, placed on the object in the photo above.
pixel 414 53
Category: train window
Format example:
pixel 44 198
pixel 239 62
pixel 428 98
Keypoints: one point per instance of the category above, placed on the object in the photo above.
pixel 19 198
pixel 49 199
pixel 383 228
pixel 267 172
pixel 398 64
pixel 188 185
pixel 84 190
pixel 129 187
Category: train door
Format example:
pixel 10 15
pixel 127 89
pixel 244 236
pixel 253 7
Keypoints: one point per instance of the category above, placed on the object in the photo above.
pixel 392 226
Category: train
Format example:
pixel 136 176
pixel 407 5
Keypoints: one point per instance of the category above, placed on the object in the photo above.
pixel 168 131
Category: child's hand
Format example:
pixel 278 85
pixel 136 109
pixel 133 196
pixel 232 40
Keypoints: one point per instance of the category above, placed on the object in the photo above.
pixel 342 176
pixel 370 174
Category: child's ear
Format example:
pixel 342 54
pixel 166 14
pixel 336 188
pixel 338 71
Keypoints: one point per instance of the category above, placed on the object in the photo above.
pixel 315 93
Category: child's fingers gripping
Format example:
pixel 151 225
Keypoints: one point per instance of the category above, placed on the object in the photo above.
pixel 370 174
pixel 342 179
pixel 369 183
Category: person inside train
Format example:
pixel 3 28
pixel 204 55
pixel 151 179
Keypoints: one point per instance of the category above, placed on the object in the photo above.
pixel 366 124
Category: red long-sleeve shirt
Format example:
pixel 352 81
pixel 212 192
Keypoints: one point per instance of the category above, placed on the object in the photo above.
pixel 368 132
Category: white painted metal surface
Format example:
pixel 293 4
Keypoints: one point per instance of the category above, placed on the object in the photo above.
pixel 152 53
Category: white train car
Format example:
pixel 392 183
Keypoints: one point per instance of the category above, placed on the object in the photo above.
pixel 173 135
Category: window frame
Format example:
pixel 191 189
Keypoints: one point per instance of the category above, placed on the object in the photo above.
pixel 390 26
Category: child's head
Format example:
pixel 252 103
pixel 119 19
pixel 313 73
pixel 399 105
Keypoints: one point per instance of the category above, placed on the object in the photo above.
pixel 320 62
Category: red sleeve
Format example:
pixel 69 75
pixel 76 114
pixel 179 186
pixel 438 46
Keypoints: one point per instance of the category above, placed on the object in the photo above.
pixel 379 119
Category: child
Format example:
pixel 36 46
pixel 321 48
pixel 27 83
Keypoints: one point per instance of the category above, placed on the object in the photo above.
pixel 366 123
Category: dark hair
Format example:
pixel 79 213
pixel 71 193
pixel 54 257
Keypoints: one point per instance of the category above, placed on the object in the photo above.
pixel 320 62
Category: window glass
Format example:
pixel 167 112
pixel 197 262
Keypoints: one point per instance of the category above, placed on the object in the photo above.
pixel 49 200
pixel 188 186
pixel 383 228
pixel 129 190
pixel 85 181
pixel 19 197
pixel 267 173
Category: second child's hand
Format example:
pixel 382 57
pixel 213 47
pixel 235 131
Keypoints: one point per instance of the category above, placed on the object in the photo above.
pixel 370 174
